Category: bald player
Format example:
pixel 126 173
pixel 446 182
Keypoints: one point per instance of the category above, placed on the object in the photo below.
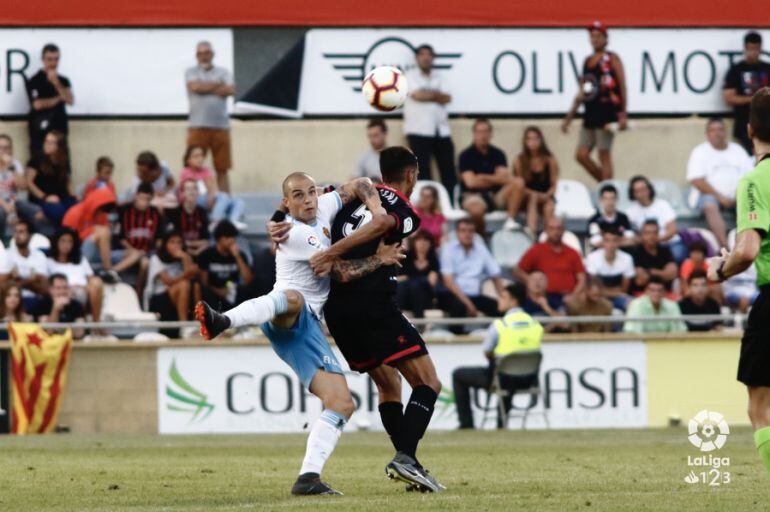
pixel 290 315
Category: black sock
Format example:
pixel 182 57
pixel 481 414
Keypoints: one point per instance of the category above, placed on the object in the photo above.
pixel 417 415
pixel 392 415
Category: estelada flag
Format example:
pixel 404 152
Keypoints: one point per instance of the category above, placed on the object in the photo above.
pixel 39 363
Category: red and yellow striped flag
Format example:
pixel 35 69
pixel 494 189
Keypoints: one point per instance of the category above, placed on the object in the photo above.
pixel 39 363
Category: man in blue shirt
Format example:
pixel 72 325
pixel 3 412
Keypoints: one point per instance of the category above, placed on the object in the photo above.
pixel 465 264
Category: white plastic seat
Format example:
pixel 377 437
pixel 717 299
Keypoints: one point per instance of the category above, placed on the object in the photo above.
pixel 451 213
pixel 509 246
pixel 36 241
pixel 150 337
pixel 671 192
pixel 569 239
pixel 121 304
pixel 573 200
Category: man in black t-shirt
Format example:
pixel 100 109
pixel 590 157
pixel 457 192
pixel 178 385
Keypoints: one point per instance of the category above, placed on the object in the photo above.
pixel 698 302
pixel 651 258
pixel 743 79
pixel 59 306
pixel 486 182
pixel 224 268
pixel 608 218
pixel 48 93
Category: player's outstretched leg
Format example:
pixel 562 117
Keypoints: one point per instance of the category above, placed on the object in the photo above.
pixel 333 391
pixel 251 312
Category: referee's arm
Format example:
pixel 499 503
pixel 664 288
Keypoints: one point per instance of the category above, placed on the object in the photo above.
pixel 753 219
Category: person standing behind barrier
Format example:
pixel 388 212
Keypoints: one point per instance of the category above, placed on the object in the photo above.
pixel 603 95
pixel 516 331
pixel 752 246
pixel 368 164
pixel 208 87
pixel 426 120
pixel 48 93
pixel 743 79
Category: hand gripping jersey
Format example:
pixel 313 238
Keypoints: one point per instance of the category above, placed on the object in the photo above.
pixel 292 261
pixel 353 216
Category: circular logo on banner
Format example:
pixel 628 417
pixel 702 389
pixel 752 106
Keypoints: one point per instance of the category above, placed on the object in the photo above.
pixel 708 431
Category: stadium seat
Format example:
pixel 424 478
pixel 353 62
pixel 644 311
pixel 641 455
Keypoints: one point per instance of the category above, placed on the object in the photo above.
pixel 258 208
pixel 509 246
pixel 150 337
pixel 671 192
pixel 121 304
pixel 451 213
pixel 621 185
pixel 569 239
pixel 518 364
pixel 37 241
pixel 573 200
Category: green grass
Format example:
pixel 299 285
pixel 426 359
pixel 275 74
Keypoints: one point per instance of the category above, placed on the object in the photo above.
pixel 553 470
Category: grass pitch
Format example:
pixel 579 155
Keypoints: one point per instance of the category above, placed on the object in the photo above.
pixel 537 470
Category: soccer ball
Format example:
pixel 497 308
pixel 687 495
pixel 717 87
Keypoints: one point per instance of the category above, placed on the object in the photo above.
pixel 385 88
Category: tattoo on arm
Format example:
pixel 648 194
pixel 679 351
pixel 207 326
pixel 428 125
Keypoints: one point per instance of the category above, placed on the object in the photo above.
pixel 350 270
pixel 361 188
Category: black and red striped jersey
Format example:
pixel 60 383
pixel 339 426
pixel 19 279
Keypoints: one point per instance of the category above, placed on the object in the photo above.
pixel 141 229
pixel 354 215
pixel 193 225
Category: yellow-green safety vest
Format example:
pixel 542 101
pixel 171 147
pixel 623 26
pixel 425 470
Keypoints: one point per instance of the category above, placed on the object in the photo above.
pixel 516 332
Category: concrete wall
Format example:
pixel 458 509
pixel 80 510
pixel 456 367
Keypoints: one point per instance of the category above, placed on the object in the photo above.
pixel 264 151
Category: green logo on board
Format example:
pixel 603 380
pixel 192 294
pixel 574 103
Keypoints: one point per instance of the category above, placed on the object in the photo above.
pixel 182 397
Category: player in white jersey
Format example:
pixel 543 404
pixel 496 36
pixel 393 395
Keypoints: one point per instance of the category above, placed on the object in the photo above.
pixel 290 314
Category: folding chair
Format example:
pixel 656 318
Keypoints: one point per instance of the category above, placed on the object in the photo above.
pixel 518 364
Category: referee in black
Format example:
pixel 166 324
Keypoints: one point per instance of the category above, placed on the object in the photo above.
pixel 752 245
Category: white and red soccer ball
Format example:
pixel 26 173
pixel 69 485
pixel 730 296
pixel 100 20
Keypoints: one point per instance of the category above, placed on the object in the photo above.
pixel 385 88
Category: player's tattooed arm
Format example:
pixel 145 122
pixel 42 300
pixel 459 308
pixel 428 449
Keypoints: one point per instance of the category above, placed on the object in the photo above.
pixel 348 270
pixel 364 190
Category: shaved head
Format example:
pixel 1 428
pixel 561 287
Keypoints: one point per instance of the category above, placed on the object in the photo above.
pixel 294 178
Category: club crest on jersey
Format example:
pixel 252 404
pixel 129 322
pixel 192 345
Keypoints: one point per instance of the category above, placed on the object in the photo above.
pixel 313 241
pixel 408 225
pixel 327 234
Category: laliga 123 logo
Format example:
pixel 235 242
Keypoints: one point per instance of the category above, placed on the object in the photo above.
pixel 388 51
pixel 708 432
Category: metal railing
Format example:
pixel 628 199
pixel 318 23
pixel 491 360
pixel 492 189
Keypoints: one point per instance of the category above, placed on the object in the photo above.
pixel 737 319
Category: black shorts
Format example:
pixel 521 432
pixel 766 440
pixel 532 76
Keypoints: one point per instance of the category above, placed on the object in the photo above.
pixel 372 331
pixel 754 363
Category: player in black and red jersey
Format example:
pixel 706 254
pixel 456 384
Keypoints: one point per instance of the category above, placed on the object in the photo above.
pixel 367 325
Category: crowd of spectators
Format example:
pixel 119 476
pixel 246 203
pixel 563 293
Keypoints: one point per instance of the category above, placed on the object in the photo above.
pixel 174 232
pixel 638 262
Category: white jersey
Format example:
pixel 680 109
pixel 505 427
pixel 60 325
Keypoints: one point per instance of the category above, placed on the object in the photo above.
pixel 292 261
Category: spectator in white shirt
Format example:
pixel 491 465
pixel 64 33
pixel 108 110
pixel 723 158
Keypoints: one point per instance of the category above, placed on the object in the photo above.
pixel 65 257
pixel 368 166
pixel 26 266
pixel 426 120
pixel 714 168
pixel 645 206
pixel 614 267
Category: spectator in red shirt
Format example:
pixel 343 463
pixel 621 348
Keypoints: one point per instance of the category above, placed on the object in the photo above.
pixel 103 178
pixel 432 220
pixel 562 265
